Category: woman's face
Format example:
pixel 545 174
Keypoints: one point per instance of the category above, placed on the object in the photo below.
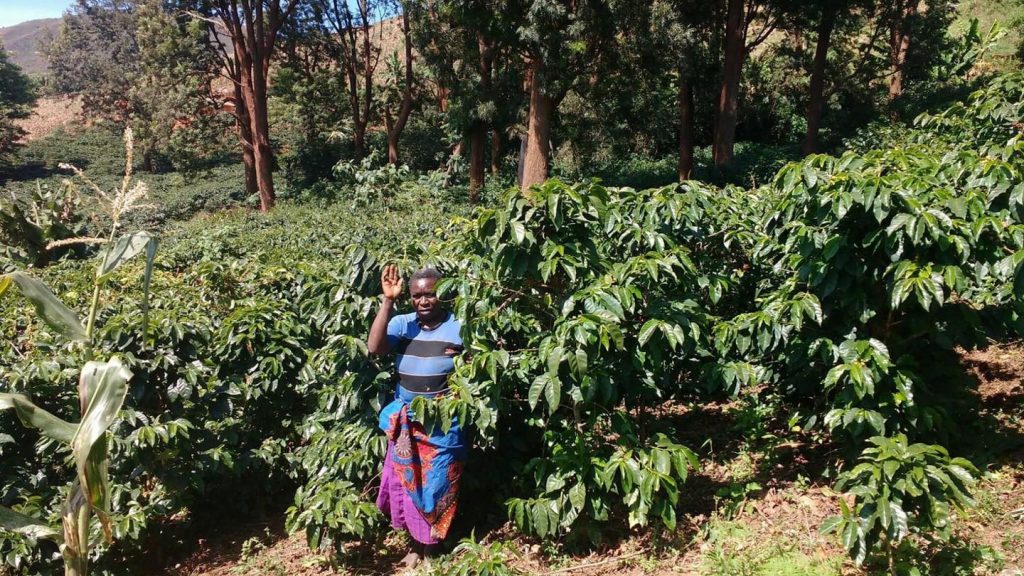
pixel 424 300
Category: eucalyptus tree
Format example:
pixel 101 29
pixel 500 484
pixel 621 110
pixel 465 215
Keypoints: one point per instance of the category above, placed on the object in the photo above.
pixel 464 43
pixel 252 28
pixel 748 23
pixel 564 42
pixel 397 95
pixel 683 31
pixel 349 34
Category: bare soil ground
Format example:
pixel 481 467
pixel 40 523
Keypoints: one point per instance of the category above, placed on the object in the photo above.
pixel 50 113
pixel 771 527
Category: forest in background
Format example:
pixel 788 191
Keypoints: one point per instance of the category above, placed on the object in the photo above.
pixel 638 219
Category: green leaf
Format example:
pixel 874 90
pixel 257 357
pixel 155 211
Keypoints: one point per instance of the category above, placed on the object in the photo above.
pixel 553 393
pixel 851 533
pixel 35 417
pixel 106 385
pixel 518 231
pixel 647 330
pixel 28 526
pixel 540 519
pixel 49 307
pixel 899 520
pixel 123 249
pixel 147 276
pixel 611 304
pixel 578 495
pixel 536 389
pixel 555 360
pixel 830 525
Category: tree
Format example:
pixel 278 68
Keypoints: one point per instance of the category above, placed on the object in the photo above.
pixel 252 27
pixel 900 21
pixel 400 89
pixel 464 44
pixel 356 45
pixel 174 110
pixel 741 15
pixel 16 99
pixel 136 62
pixel 563 41
pixel 95 54
pixel 828 13
pixel 682 31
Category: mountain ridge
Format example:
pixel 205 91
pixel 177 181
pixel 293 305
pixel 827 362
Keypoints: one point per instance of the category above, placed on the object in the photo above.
pixel 22 43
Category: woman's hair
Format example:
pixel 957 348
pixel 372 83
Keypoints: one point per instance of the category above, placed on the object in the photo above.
pixel 425 273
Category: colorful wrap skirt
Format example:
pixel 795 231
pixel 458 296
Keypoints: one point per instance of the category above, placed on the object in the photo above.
pixel 419 483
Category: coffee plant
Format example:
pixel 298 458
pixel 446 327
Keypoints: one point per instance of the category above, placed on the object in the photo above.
pixel 840 291
pixel 899 489
pixel 872 268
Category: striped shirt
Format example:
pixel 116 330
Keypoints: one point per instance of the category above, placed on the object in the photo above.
pixel 424 358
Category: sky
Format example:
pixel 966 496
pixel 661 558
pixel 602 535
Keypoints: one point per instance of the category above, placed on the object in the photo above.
pixel 16 11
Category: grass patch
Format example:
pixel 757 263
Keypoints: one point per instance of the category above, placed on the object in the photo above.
pixel 734 548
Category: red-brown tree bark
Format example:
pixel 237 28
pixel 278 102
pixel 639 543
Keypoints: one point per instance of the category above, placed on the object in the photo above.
pixel 245 139
pixel 396 124
pixel 538 135
pixel 899 44
pixel 253 28
pixel 497 146
pixel 728 100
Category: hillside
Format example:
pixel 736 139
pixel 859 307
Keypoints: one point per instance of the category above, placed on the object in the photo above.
pixel 22 42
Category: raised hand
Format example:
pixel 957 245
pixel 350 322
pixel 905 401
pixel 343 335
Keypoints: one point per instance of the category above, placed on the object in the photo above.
pixel 391 282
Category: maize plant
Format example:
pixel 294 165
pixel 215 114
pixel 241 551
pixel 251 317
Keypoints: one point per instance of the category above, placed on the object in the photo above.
pixel 102 386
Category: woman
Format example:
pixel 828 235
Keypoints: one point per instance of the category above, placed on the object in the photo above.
pixel 420 479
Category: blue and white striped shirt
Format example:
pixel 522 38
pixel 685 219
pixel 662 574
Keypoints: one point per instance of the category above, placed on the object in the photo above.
pixel 424 358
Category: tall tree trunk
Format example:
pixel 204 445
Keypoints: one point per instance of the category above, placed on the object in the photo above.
pixel 685 104
pixel 254 100
pixel 899 44
pixel 816 97
pixel 496 148
pixel 735 53
pixel 538 136
pixel 359 140
pixel 242 125
pixel 405 108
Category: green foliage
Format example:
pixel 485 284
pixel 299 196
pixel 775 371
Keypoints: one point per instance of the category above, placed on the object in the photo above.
pixel 899 490
pixel 471 558
pixel 872 268
pixel 831 297
pixel 101 390
pixel 16 98
pixel 137 63
pixel 29 226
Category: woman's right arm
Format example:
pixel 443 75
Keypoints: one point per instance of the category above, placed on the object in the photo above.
pixel 377 342
pixel 391 287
